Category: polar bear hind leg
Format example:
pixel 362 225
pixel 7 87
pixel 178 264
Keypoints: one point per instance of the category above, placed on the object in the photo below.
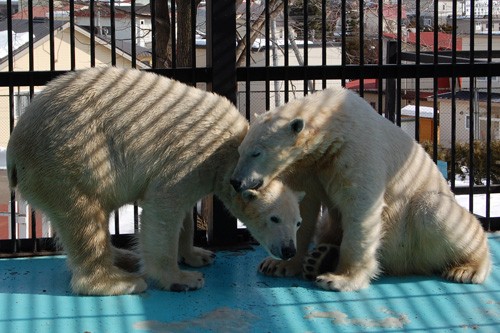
pixel 451 240
pixel 83 231
pixel 188 254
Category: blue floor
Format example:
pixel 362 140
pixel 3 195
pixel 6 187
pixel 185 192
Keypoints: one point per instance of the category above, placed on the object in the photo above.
pixel 35 297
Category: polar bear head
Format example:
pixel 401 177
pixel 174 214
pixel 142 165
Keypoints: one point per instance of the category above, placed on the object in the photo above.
pixel 272 143
pixel 272 216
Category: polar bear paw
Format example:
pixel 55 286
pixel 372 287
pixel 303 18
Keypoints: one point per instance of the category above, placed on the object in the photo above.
pixel 111 282
pixel 197 257
pixel 323 259
pixel 464 274
pixel 182 281
pixel 337 282
pixel 276 267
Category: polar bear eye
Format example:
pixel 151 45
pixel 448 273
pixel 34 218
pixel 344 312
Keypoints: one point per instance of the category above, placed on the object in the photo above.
pixel 275 219
pixel 256 154
pixel 299 223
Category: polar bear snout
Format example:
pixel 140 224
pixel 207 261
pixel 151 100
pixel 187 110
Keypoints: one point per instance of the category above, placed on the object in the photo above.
pixel 285 251
pixel 243 185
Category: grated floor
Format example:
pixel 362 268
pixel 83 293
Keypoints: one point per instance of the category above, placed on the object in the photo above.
pixel 35 297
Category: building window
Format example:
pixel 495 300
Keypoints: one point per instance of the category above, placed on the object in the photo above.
pixel 467 122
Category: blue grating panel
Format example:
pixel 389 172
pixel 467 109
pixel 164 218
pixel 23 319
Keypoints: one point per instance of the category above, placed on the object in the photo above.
pixel 35 297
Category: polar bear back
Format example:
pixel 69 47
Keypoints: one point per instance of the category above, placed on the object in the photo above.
pixel 122 127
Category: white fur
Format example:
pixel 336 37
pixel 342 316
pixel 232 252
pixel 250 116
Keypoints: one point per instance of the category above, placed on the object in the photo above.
pixel 97 139
pixel 389 203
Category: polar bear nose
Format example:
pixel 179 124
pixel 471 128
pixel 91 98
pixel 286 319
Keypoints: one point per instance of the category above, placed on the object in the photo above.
pixel 240 186
pixel 288 252
pixel 236 184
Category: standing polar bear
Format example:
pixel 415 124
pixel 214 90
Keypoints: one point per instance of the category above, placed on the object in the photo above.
pixel 97 139
pixel 394 211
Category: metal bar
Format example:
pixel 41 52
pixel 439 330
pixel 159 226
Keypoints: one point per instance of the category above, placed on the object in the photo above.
pixel 305 38
pixel 133 33
pixel 323 39
pixel 488 119
pixel 380 60
pixel 471 111
pixel 247 59
pixel 343 18
pixel 92 32
pixel 112 17
pixel 221 53
pixel 453 99
pixel 267 32
pixel 173 31
pixel 361 45
pixel 51 36
pixel 286 42
pixel 72 33
pixel 152 5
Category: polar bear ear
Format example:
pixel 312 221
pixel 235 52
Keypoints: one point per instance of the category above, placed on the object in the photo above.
pixel 249 195
pixel 297 125
pixel 300 195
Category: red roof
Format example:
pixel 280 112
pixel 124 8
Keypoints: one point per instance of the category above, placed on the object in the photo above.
pixel 427 40
pixel 445 41
pixel 369 84
pixel 41 11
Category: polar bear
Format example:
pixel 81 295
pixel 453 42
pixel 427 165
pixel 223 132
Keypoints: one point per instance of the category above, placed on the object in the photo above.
pixel 393 210
pixel 96 139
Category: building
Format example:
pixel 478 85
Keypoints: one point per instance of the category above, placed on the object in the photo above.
pixel 41 61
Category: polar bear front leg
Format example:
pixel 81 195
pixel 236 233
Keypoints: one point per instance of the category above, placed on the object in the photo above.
pixel 358 251
pixel 309 210
pixel 159 240
pixel 188 254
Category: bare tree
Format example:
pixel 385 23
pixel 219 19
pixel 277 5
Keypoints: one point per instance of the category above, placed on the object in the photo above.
pixel 162 34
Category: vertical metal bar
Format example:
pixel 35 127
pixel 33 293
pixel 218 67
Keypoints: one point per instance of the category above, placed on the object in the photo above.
pixel 153 30
pixel 400 50
pixel 173 30
pixel 117 222
pixel 286 43
pixel 390 83
pixel 453 97
pixel 92 32
pixel 193 39
pixel 72 33
pixel 51 36
pixel 435 84
pixel 112 17
pixel 136 217
pixel 10 61
pixel 362 46
pixel 221 23
pixel 380 61
pixel 306 46
pixel 31 55
pixel 323 41
pixel 471 110
pixel 343 19
pixel 247 59
pixel 417 80
pixel 33 231
pixel 488 117
pixel 133 33
pixel 267 29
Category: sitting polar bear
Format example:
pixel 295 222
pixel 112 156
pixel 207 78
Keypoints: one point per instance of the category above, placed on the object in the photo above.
pixel 97 139
pixel 393 210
